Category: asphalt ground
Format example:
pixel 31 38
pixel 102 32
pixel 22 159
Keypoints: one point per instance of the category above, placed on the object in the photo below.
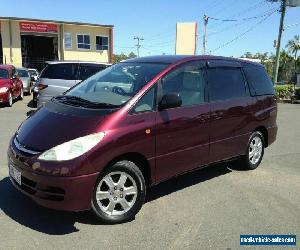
pixel 206 209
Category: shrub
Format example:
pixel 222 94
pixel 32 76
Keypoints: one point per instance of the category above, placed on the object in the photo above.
pixel 284 91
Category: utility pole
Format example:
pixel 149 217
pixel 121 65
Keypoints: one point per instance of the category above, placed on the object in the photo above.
pixel 138 45
pixel 205 18
pixel 282 10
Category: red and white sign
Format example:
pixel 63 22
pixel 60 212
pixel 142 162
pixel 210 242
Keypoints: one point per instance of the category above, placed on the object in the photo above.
pixel 38 27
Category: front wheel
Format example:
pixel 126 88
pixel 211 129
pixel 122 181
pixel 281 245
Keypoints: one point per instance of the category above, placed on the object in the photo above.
pixel 21 96
pixel 255 151
pixel 119 193
pixel 10 99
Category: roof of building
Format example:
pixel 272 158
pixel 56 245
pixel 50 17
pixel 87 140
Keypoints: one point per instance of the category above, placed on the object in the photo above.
pixel 55 21
pixel 170 59
pixel 77 61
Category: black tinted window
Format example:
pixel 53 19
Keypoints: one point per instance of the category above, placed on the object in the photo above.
pixel 65 71
pixel 226 83
pixel 88 70
pixel 3 74
pixel 188 82
pixel 259 80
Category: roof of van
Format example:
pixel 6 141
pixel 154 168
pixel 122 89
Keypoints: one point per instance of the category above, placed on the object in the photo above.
pixel 170 59
pixel 74 61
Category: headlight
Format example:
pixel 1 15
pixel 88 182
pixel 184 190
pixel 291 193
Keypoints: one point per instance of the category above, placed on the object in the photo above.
pixel 72 149
pixel 3 90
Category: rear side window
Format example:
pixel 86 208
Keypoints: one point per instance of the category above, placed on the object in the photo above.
pixel 259 80
pixel 226 83
pixel 65 71
pixel 88 70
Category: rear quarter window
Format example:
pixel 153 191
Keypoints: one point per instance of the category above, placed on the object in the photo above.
pixel 258 79
pixel 65 71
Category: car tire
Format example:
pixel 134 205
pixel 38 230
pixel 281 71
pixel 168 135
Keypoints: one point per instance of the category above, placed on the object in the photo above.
pixel 34 103
pixel 119 193
pixel 255 151
pixel 21 96
pixel 10 99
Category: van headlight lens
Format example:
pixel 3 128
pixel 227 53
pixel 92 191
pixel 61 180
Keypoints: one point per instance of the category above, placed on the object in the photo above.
pixel 72 149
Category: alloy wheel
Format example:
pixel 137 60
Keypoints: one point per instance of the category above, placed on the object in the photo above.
pixel 255 149
pixel 10 99
pixel 116 193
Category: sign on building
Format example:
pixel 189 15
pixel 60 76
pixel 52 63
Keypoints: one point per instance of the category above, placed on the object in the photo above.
pixel 38 27
pixel 186 38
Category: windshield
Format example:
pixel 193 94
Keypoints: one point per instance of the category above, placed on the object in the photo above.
pixel 23 73
pixel 3 74
pixel 116 84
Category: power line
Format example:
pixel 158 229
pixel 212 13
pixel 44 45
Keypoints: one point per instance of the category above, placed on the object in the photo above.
pixel 291 25
pixel 242 34
pixel 242 22
pixel 242 19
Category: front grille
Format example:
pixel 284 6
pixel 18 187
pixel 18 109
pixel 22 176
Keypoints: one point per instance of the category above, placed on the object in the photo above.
pixel 41 191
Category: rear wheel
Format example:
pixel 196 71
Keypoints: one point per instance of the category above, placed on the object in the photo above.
pixel 255 151
pixel 119 193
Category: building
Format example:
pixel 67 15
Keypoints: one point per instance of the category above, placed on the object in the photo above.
pixel 31 42
pixel 186 39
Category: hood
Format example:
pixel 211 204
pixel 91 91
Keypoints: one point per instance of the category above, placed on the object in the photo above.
pixel 57 123
pixel 4 82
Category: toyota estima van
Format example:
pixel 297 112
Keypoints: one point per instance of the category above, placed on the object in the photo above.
pixel 105 141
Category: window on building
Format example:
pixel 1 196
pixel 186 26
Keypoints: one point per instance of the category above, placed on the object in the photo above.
pixel 101 43
pixel 83 42
pixel 188 82
pixel 68 40
pixel 226 83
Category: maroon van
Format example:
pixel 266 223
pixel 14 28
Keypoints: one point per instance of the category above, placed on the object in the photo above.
pixel 105 141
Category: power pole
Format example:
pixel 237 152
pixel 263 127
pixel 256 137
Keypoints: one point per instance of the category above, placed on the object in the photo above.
pixel 205 18
pixel 282 10
pixel 138 45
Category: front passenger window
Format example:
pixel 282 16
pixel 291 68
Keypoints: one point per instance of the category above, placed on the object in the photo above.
pixel 146 103
pixel 188 82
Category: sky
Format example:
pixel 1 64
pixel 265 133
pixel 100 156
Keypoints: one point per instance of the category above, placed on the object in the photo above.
pixel 255 30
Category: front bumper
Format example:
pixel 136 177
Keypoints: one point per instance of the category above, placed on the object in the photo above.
pixel 3 97
pixel 56 192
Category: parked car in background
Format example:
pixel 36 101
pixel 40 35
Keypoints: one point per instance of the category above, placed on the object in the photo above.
pixel 11 87
pixel 24 75
pixel 59 76
pixel 140 122
pixel 34 74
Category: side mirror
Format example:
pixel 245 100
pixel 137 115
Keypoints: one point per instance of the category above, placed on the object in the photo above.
pixel 170 100
pixel 13 77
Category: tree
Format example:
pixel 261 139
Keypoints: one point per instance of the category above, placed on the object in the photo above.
pixel 293 47
pixel 122 56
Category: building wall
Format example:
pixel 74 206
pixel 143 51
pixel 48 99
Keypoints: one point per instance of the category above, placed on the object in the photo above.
pixel 11 46
pixel 84 54
pixel 186 38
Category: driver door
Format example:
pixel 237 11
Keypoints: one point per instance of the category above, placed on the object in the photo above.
pixel 182 133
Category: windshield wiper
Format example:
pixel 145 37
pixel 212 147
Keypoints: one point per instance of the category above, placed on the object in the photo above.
pixel 83 102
